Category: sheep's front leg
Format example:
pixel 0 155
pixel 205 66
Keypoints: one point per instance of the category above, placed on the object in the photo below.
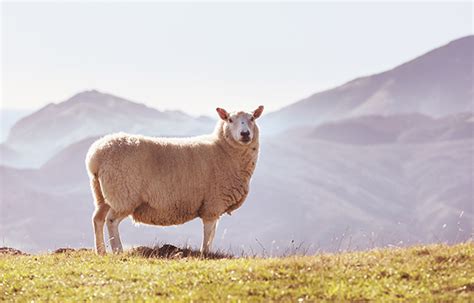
pixel 208 236
pixel 113 220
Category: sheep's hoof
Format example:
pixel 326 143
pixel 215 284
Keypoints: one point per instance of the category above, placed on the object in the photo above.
pixel 118 251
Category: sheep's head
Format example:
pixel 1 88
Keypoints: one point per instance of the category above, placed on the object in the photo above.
pixel 240 126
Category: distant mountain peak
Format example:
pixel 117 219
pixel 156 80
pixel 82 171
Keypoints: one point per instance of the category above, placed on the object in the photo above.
pixel 93 96
pixel 93 113
pixel 87 94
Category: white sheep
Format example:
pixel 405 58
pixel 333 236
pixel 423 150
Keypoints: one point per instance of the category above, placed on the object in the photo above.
pixel 169 181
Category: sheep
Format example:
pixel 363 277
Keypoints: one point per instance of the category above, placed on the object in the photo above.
pixel 170 181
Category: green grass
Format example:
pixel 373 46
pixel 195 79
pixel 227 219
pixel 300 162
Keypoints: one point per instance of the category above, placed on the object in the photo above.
pixel 426 273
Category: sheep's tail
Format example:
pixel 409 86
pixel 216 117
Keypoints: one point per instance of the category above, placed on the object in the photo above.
pixel 96 190
pixel 92 165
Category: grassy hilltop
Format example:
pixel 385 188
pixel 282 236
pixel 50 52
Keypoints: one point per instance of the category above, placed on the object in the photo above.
pixel 423 273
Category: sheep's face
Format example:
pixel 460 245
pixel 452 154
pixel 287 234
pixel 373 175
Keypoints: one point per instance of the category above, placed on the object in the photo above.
pixel 240 126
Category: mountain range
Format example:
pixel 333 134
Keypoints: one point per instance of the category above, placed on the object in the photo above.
pixel 437 83
pixel 381 160
pixel 36 137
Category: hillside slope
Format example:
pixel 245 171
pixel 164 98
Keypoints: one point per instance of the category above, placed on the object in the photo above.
pixel 399 128
pixel 8 117
pixel 435 84
pixel 432 273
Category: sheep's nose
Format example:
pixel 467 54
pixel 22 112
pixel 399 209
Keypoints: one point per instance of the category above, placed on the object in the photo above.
pixel 245 134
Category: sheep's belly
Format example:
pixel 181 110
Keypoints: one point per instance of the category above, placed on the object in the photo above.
pixel 167 216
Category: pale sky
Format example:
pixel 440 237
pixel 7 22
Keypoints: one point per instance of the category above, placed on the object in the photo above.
pixel 196 56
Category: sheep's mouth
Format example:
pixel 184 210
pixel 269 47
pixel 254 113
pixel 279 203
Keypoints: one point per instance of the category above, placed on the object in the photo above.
pixel 245 140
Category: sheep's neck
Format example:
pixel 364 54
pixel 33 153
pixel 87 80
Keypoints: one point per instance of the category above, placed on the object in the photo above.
pixel 243 159
pixel 242 165
pixel 247 162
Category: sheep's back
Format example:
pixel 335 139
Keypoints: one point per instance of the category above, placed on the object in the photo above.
pixel 112 150
pixel 166 174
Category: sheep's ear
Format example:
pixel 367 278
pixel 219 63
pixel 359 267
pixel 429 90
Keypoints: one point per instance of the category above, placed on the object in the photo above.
pixel 258 112
pixel 222 113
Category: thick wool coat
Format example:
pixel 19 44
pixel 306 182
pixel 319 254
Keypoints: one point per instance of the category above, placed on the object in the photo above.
pixel 169 181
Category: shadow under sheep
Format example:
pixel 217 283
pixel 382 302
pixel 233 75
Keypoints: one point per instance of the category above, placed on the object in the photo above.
pixel 166 251
pixel 169 251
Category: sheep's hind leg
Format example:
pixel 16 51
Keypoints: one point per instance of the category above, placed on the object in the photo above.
pixel 113 220
pixel 208 236
pixel 98 220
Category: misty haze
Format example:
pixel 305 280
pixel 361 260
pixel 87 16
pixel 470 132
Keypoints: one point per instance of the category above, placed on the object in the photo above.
pixel 385 159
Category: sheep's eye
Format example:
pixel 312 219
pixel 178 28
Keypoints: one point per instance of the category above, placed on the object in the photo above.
pixel 230 120
pixel 252 119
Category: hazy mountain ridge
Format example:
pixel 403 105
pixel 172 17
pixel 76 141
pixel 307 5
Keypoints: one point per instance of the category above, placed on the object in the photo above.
pixel 403 128
pixel 434 84
pixel 40 135
pixel 8 118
